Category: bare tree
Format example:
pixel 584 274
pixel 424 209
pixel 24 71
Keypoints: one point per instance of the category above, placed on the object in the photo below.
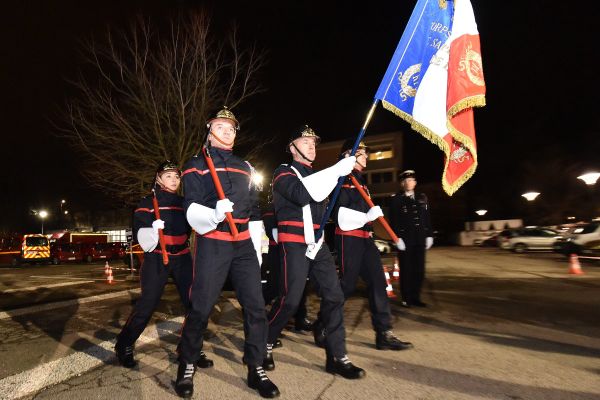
pixel 144 95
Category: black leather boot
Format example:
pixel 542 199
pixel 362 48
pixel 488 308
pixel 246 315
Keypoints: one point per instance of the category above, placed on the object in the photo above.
pixel 344 368
pixel 125 355
pixel 258 379
pixel 319 334
pixel 303 325
pixel 387 341
pixel 184 385
pixel 268 362
pixel 204 361
pixel 277 344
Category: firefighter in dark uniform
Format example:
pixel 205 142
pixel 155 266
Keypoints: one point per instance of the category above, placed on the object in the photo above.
pixel 410 220
pixel 274 288
pixel 357 254
pixel 153 273
pixel 299 199
pixel 219 254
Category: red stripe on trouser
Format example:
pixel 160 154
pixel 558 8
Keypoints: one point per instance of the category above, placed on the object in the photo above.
pixel 285 288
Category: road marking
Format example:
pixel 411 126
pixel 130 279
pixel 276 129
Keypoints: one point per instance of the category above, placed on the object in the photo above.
pixel 57 277
pixel 60 370
pixel 53 285
pixel 51 306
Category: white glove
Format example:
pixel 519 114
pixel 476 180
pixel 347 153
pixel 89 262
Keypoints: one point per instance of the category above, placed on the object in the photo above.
pixel 374 213
pixel 158 224
pixel 428 242
pixel 222 207
pixel 345 166
pixel 400 244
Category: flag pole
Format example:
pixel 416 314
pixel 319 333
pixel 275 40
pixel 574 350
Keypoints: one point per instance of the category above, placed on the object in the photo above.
pixel 370 203
pixel 338 187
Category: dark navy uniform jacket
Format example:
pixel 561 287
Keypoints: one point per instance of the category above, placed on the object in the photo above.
pixel 409 218
pixel 350 198
pixel 235 176
pixel 176 230
pixel 289 196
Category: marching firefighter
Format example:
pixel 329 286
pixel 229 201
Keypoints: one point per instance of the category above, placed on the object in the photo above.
pixel 409 217
pixel 274 288
pixel 357 254
pixel 220 199
pixel 153 272
pixel 299 199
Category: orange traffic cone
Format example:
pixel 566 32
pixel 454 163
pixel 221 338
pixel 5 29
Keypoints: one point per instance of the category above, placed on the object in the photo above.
pixel 574 266
pixel 109 277
pixel 389 289
pixel 106 268
pixel 396 272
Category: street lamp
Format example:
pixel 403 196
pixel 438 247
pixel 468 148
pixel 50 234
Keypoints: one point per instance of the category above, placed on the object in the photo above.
pixel 481 213
pixel 530 196
pixel 590 178
pixel 42 214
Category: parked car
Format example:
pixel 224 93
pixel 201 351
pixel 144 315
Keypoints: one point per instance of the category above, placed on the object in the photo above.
pixel 64 252
pixel 118 250
pixel 96 251
pixel 583 240
pixel 383 246
pixel 492 241
pixel 533 238
pixel 504 237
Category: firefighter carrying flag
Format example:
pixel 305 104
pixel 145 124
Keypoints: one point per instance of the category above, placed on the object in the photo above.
pixel 435 78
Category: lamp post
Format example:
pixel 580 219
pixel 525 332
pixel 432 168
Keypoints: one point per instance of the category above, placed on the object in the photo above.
pixel 43 214
pixel 590 179
pixel 530 197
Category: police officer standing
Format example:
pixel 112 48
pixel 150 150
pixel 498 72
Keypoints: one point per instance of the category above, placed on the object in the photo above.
pixel 299 199
pixel 219 253
pixel 357 254
pixel 153 272
pixel 409 218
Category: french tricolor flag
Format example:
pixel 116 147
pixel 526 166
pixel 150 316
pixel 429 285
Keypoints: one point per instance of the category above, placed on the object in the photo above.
pixel 435 79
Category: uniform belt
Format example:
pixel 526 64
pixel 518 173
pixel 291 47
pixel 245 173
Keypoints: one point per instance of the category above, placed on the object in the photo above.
pixel 184 251
pixel 226 236
pixel 241 224
pixel 354 232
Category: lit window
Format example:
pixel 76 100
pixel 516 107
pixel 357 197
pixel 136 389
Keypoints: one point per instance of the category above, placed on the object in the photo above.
pixel 381 153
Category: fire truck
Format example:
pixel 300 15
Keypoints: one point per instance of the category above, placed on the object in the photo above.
pixel 28 248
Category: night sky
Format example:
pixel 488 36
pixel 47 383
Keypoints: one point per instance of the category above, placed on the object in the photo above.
pixel 326 59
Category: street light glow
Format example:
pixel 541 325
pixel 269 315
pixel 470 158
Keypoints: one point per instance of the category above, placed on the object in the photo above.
pixel 590 178
pixel 530 196
pixel 481 213
pixel 257 178
pixel 66 212
pixel 63 201
pixel 43 214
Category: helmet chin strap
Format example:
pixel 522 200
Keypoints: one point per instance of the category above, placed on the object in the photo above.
pixel 302 154
pixel 230 144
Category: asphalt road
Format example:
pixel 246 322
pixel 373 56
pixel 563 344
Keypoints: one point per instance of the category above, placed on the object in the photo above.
pixel 498 326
